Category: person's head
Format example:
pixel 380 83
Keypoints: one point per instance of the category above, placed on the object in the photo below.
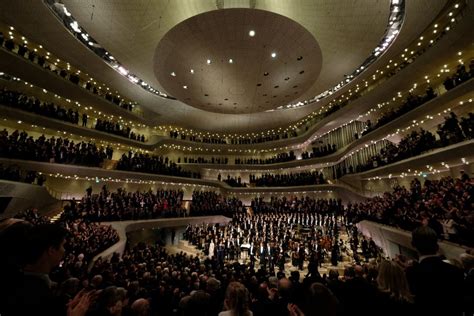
pixel 425 240
pixel 237 299
pixel 359 271
pixel 198 304
pixel 295 276
pixel 333 274
pixel 13 242
pixel 320 301
pixel 284 288
pixel 96 281
pixel 391 278
pixel 140 307
pixel 109 301
pixel 122 295
pixel 349 273
pixel 212 285
pixel 45 246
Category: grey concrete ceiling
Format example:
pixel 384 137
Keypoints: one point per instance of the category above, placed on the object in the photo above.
pixel 346 32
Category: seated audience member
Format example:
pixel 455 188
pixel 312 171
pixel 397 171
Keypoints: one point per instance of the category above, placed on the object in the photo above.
pixel 237 300
pixel 437 285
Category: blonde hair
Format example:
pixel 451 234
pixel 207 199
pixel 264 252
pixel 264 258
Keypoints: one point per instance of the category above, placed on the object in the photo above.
pixel 392 279
pixel 237 299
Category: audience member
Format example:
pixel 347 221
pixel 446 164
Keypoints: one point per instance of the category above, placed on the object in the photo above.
pixel 436 285
pixel 56 150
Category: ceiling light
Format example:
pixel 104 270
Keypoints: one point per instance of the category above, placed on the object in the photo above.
pixel 123 71
pixel 208 61
pixel 66 11
pixel 252 33
pixel 75 26
pixel 173 74
pixel 192 71
pixel 230 61
pixel 274 55
pixel 185 87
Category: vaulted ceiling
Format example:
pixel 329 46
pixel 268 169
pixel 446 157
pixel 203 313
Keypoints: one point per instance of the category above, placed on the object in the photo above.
pixel 315 44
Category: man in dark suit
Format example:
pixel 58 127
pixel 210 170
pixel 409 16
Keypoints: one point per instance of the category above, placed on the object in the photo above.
pixel 437 285
pixel 33 294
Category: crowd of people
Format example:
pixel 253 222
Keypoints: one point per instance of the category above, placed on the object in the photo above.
pixel 32 104
pixel 288 179
pixel 18 145
pixel 117 129
pixel 411 102
pixel 320 151
pixel 212 203
pixel 451 131
pixel 122 205
pixel 269 239
pixel 153 164
pixel 445 205
pixel 233 141
pixel 41 257
pixel 281 157
pixel 245 268
pixel 14 173
pixel 43 62
pixel 461 75
pixel 232 181
pixel 23 102
pixel 147 280
pixel 203 160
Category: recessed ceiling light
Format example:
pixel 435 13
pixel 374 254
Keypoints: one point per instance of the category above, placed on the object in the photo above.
pixel 265 73
pixel 274 55
pixel 173 74
pixel 185 87
pixel 230 61
pixel 252 33
pixel 208 61
pixel 192 71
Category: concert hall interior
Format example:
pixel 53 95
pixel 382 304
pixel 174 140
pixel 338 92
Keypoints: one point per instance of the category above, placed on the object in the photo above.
pixel 236 157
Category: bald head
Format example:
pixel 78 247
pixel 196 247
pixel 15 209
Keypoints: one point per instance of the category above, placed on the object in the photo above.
pixel 141 307
pixel 359 271
pixel 284 287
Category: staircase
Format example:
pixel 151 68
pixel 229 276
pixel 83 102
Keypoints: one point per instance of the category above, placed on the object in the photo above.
pixel 186 247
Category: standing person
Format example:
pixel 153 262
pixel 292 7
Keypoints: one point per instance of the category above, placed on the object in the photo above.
pixel 84 120
pixel 236 301
pixel 211 249
pixel 437 285
pixel 13 241
pixel 33 294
